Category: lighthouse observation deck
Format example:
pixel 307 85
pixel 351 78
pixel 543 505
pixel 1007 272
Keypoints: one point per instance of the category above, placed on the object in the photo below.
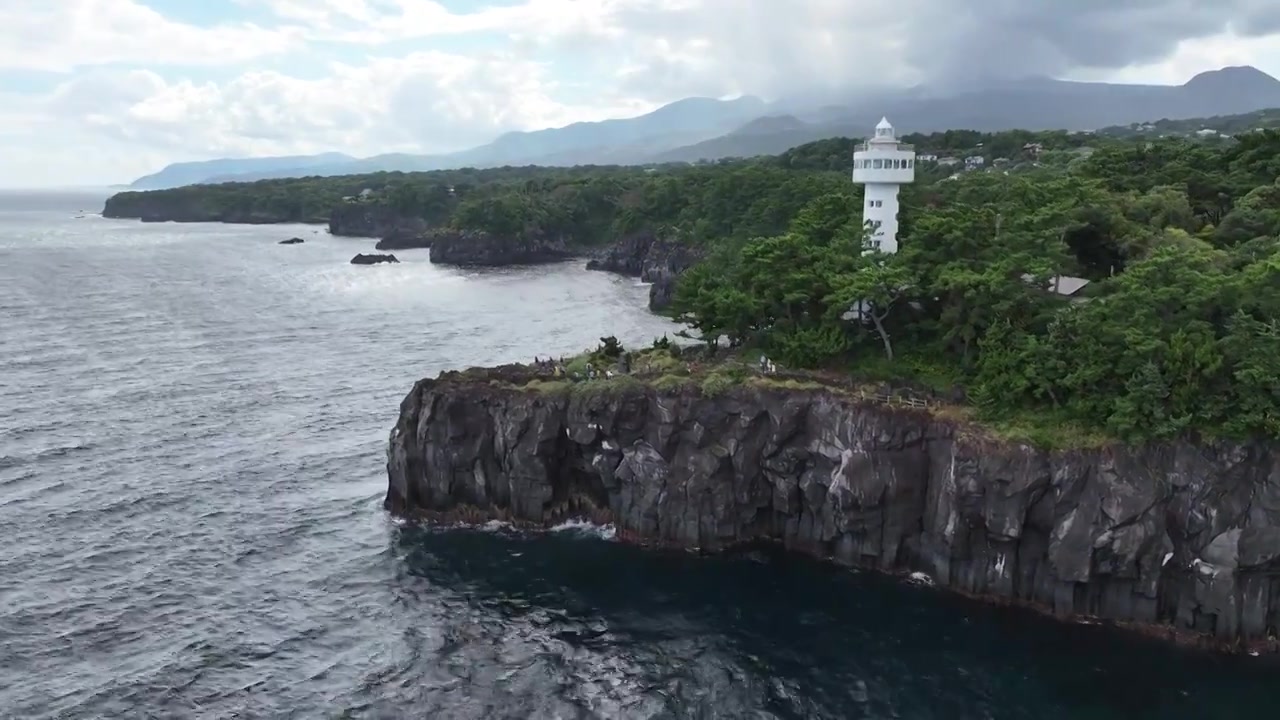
pixel 883 159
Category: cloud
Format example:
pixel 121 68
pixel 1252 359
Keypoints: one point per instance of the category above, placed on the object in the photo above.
pixel 423 102
pixel 134 89
pixel 717 47
pixel 776 48
pixel 63 35
pixel 1007 37
pixel 374 22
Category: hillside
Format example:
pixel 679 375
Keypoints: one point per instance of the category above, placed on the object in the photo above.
pixel 190 173
pixel 1222 124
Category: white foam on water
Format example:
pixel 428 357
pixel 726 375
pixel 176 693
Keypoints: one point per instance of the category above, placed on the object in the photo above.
pixel 604 532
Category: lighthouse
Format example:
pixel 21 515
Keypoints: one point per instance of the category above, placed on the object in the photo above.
pixel 883 164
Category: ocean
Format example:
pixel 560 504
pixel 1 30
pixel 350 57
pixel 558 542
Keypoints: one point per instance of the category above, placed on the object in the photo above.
pixel 193 423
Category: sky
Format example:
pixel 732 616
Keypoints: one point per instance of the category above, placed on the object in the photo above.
pixel 97 92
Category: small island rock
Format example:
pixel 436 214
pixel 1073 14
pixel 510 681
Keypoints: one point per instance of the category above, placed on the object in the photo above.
pixel 291 241
pixel 373 259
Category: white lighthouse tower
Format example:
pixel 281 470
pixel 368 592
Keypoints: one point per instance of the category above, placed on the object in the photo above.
pixel 882 164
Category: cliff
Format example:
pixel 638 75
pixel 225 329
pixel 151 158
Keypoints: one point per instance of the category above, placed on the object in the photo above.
pixel 467 247
pixel 405 236
pixel 175 206
pixel 1180 539
pixel 359 219
pixel 652 259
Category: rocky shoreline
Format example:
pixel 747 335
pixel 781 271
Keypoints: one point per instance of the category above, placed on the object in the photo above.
pixel 645 255
pixel 1179 541
pixel 652 259
pixel 371 220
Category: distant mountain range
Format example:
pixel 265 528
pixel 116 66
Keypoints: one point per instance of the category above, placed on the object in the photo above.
pixel 696 129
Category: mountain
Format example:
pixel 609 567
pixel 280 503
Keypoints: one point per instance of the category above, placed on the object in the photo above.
pixel 707 129
pixel 188 173
pixel 618 141
pixel 1036 103
pixel 702 117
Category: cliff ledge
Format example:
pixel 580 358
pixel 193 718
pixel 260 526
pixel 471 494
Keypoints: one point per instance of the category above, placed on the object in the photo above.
pixel 1182 540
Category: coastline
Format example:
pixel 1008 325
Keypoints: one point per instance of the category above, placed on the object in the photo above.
pixel 1265 649
pixel 1179 636
pixel 655 261
pixel 1096 536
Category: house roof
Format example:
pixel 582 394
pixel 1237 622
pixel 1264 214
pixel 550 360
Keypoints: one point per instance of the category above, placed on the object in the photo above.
pixel 1061 284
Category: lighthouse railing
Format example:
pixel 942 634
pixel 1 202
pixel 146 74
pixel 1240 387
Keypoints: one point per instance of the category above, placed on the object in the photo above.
pixel 863 147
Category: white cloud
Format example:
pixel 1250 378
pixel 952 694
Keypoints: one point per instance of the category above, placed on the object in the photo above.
pixel 1194 56
pixel 129 102
pixel 423 102
pixel 381 21
pixel 62 35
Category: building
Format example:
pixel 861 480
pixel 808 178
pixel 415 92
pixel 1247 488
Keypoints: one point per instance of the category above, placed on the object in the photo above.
pixel 883 165
pixel 365 194
pixel 926 157
pixel 973 162
pixel 1063 285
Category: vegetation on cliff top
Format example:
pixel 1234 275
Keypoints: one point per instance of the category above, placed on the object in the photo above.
pixel 592 205
pixel 1179 330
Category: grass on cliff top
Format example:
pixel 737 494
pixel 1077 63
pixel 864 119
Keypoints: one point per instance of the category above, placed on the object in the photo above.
pixel 668 371
pixel 1043 429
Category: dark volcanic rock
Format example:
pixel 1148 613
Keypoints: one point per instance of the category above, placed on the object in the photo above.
pixel 1171 537
pixel 466 247
pixel 370 219
pixel 405 237
pixel 652 259
pixel 291 241
pixel 373 259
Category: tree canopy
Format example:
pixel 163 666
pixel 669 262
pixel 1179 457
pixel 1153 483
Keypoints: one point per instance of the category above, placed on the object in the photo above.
pixel 1178 330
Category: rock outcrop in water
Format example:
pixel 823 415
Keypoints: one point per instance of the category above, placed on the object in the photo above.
pixel 1183 539
pixel 373 259
pixel 655 260
pixel 292 241
pixel 478 248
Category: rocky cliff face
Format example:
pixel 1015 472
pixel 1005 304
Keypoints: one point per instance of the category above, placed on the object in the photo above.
pixel 466 247
pixel 652 259
pixel 406 237
pixel 356 219
pixel 1172 538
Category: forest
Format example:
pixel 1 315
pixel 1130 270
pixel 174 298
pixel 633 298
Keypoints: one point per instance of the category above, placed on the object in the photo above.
pixel 593 205
pixel 1178 330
